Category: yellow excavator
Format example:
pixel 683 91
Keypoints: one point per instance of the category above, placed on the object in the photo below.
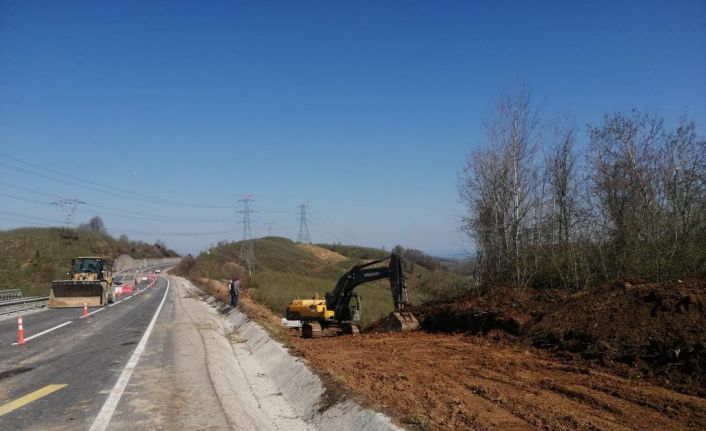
pixel 340 309
pixel 90 282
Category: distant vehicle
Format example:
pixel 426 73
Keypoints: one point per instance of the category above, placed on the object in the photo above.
pixel 157 271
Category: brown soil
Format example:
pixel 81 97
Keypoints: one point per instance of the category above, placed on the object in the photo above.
pixel 326 255
pixel 497 307
pixel 487 376
pixel 652 331
pixel 461 382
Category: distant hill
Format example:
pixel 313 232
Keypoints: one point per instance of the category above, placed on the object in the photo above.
pixel 464 266
pixel 30 258
pixel 285 270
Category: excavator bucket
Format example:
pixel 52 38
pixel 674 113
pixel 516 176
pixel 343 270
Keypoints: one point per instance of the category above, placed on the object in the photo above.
pixel 76 293
pixel 399 322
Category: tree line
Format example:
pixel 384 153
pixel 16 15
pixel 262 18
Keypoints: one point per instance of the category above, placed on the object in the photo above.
pixel 413 256
pixel 545 211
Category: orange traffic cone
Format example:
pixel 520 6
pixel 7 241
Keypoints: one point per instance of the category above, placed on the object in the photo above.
pixel 20 331
pixel 85 309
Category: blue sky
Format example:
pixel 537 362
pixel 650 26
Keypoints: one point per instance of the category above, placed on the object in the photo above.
pixel 364 110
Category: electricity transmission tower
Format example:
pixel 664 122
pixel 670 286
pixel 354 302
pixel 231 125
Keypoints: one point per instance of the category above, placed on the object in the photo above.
pixel 68 208
pixel 269 224
pixel 246 250
pixel 303 237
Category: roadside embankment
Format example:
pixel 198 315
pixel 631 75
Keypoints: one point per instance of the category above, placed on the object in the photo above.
pixel 262 378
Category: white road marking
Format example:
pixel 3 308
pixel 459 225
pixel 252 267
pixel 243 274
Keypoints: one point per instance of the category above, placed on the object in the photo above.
pixel 93 312
pixel 45 332
pixel 106 413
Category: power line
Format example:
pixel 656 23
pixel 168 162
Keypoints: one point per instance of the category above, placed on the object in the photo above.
pixel 141 216
pixel 102 188
pixel 12 216
pixel 331 227
pixel 19 198
pixel 336 236
pixel 20 220
pixel 167 234
pixel 303 237
pixel 25 216
pixel 246 247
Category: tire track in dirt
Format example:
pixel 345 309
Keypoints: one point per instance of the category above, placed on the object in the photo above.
pixel 447 382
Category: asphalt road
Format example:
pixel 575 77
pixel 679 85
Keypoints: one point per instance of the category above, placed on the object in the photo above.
pixel 61 379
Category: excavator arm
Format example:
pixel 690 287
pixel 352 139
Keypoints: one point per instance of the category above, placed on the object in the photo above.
pixel 340 298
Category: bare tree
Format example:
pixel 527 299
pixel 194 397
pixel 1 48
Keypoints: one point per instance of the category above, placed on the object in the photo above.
pixel 636 209
pixel 566 230
pixel 95 224
pixel 482 192
pixel 682 170
pixel 560 174
pixel 623 160
pixel 499 188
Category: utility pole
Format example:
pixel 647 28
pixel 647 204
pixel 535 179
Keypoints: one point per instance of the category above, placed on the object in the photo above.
pixel 246 249
pixel 303 237
pixel 68 208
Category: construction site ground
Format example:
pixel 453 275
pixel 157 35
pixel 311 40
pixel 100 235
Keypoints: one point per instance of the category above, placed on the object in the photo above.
pixel 486 378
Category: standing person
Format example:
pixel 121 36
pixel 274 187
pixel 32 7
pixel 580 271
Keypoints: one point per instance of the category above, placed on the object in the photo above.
pixel 236 290
pixel 233 295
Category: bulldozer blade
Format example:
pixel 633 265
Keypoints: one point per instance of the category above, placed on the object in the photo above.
pixel 76 294
pixel 399 322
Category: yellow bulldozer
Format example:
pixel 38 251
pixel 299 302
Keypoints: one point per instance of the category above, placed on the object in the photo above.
pixel 90 282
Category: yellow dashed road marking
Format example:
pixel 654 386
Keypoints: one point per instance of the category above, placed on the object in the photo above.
pixel 34 396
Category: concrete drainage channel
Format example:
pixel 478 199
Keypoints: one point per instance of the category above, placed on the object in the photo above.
pixel 285 383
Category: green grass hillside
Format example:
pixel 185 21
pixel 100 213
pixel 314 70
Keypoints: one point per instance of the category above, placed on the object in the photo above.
pixel 285 270
pixel 30 258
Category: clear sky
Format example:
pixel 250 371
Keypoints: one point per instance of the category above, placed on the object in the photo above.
pixel 366 111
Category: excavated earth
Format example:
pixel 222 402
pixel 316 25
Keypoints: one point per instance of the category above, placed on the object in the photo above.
pixel 513 359
pixel 647 331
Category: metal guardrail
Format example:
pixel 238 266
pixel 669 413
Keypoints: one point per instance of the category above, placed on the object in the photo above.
pixel 10 294
pixel 28 303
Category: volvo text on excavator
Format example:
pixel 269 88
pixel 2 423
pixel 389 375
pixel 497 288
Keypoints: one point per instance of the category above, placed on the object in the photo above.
pixel 340 309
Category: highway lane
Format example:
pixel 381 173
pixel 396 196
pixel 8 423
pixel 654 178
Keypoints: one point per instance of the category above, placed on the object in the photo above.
pixel 86 355
pixel 171 388
pixel 38 321
pixel 195 373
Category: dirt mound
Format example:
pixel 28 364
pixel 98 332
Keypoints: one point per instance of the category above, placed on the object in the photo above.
pixel 657 331
pixel 492 307
pixel 660 329
pixel 322 253
pixel 489 381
